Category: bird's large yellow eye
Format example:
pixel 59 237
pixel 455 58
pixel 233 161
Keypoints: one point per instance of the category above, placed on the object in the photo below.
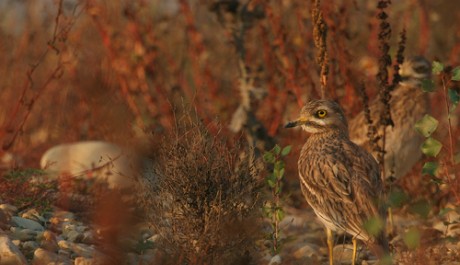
pixel 321 113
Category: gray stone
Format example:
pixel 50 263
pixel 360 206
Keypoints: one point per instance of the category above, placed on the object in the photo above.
pixel 23 234
pixel 26 223
pixel 29 247
pixel 9 252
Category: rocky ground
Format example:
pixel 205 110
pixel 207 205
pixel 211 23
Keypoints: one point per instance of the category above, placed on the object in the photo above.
pixel 57 236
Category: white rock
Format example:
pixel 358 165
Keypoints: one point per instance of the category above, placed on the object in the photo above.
pixel 26 223
pixel 154 238
pixel 275 260
pixel 108 161
pixel 9 252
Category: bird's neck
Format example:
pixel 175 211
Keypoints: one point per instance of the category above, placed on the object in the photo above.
pixel 331 133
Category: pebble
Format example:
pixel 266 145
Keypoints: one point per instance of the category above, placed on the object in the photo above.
pixel 48 241
pixel 275 260
pixel 42 256
pixel 343 253
pixel 30 246
pixel 32 214
pixel 8 208
pixel 9 252
pixel 22 234
pixel 87 261
pixel 26 223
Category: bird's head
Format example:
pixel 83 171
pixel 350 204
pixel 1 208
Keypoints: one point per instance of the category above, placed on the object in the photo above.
pixel 415 69
pixel 319 116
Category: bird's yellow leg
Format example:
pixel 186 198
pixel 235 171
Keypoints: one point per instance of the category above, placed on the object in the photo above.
pixel 330 245
pixel 355 248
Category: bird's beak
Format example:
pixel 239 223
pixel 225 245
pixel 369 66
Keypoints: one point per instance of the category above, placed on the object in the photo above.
pixel 295 123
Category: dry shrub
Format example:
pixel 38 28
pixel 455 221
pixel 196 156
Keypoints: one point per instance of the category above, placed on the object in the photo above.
pixel 204 199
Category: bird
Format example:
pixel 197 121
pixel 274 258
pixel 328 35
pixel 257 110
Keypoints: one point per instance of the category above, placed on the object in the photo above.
pixel 408 104
pixel 339 179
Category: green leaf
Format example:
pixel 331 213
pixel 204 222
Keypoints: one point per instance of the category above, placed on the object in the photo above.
pixel 430 168
pixel 456 74
pixel 427 125
pixel 269 157
pixel 279 165
pixel 279 214
pixel 428 85
pixel 386 260
pixel 277 149
pixel 286 150
pixel 421 207
pixel 454 98
pixel 431 147
pixel 279 173
pixel 278 189
pixel 271 180
pixel 457 158
pixel 412 238
pixel 374 226
pixel 437 67
pixel 397 198
pixel 267 210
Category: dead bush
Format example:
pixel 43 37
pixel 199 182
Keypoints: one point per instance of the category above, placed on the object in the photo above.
pixel 204 199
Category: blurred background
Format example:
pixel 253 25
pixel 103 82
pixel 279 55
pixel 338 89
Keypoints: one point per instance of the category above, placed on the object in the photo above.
pixel 75 70
pixel 123 71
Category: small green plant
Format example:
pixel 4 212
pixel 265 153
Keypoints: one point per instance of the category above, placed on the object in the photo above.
pixel 17 188
pixel 441 167
pixel 273 209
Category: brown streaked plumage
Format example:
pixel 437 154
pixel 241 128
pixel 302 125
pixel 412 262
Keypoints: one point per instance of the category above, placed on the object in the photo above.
pixel 408 105
pixel 339 179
